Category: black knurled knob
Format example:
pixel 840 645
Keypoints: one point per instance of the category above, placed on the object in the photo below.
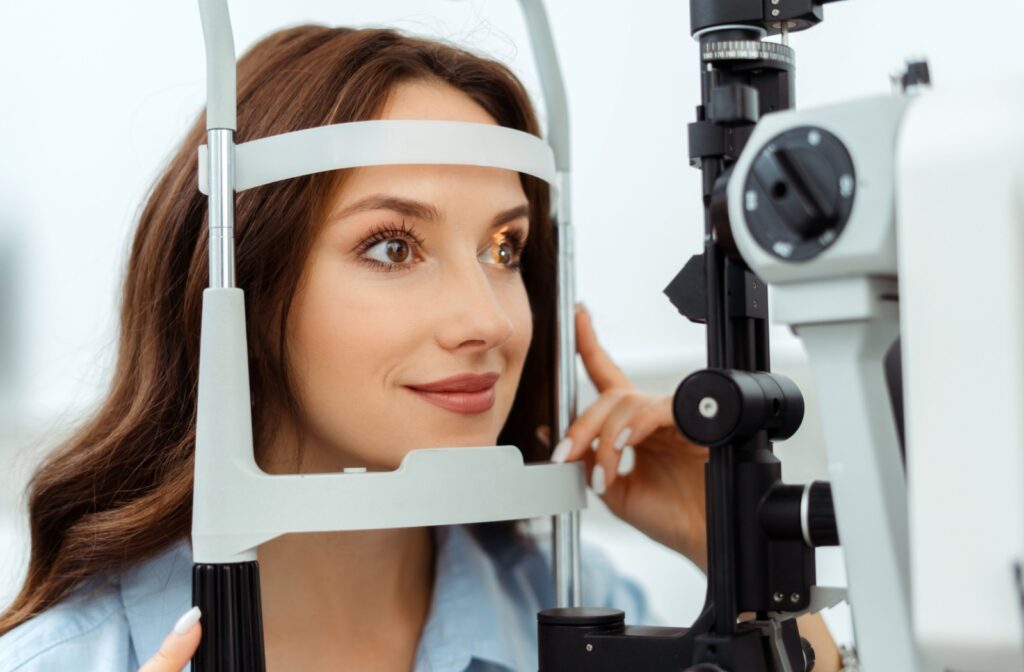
pixel 821 515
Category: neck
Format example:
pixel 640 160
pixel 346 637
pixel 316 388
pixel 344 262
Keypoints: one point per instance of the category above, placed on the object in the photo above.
pixel 329 596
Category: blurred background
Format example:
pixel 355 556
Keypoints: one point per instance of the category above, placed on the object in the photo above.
pixel 99 94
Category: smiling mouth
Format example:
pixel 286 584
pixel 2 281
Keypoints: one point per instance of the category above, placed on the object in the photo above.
pixel 467 393
pixel 459 402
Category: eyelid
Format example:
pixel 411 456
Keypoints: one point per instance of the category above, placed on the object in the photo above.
pixel 388 231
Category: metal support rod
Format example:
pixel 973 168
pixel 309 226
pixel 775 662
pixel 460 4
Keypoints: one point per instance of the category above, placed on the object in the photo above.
pixel 221 203
pixel 565 528
pixel 566 534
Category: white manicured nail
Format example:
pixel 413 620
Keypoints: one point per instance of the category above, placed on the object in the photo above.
pixel 187 621
pixel 597 480
pixel 620 440
pixel 561 451
pixel 595 443
pixel 627 461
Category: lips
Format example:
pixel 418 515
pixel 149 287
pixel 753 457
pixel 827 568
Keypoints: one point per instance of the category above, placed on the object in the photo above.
pixel 465 393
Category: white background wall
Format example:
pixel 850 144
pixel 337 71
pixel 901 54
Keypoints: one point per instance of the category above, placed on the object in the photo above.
pixel 96 95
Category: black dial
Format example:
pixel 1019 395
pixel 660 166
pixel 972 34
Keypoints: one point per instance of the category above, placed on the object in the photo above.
pixel 799 193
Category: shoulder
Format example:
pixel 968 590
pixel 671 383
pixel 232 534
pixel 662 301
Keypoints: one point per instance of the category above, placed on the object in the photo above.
pixel 89 630
pixel 109 623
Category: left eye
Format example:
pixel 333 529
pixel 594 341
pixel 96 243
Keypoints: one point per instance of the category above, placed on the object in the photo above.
pixel 501 253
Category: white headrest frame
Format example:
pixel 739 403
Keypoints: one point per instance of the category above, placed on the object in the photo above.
pixel 385 142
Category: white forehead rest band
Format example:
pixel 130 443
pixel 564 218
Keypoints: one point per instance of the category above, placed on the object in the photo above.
pixel 385 142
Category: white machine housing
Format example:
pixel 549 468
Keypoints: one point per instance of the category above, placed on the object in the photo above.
pixel 960 214
pixel 930 552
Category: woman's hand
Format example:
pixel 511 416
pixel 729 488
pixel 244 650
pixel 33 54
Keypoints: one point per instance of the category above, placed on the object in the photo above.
pixel 643 468
pixel 178 646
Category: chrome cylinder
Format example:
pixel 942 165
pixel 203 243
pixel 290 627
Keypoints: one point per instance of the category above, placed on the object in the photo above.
pixel 565 542
pixel 566 556
pixel 221 204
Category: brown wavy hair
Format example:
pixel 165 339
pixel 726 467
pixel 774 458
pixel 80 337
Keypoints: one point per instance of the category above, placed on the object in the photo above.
pixel 119 490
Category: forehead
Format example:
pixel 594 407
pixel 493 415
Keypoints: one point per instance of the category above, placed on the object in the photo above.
pixel 431 99
pixel 449 188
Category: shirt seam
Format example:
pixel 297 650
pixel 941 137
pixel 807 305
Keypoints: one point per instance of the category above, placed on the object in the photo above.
pixel 62 640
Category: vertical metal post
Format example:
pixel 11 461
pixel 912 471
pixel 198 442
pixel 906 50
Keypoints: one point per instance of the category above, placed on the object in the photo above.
pixel 221 204
pixel 565 541
pixel 565 528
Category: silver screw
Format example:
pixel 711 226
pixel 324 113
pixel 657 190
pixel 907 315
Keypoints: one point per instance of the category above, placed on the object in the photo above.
pixel 775 2
pixel 708 407
pixel 778 597
pixel 590 647
pixel 794 598
pixel 776 12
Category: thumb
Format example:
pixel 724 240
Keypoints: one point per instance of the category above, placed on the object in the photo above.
pixel 179 646
pixel 601 368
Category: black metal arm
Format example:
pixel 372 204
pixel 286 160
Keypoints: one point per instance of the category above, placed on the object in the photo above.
pixel 759 558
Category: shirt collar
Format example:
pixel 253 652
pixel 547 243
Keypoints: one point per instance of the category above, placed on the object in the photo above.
pixel 469 617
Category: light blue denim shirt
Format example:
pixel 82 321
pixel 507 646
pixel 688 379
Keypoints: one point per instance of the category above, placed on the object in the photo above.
pixel 483 616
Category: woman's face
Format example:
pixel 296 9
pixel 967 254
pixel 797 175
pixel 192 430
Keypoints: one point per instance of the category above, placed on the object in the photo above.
pixel 411 280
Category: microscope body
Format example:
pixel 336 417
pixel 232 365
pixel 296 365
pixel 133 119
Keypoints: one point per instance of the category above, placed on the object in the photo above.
pixel 894 226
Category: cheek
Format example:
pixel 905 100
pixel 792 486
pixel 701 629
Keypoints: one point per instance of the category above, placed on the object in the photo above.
pixel 345 339
pixel 521 316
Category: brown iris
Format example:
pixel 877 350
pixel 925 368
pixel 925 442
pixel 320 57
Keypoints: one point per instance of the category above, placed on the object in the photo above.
pixel 397 250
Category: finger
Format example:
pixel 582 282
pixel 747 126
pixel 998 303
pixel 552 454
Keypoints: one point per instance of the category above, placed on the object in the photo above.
pixel 179 646
pixel 585 428
pixel 615 437
pixel 601 369
pixel 655 415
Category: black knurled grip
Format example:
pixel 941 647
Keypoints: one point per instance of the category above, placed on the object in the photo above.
pixel 821 519
pixel 232 618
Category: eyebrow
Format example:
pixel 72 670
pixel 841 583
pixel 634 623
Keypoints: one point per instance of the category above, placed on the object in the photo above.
pixel 421 210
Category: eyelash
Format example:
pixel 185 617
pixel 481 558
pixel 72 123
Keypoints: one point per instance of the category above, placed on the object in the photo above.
pixel 389 231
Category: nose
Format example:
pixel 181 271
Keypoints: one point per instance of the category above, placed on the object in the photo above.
pixel 471 313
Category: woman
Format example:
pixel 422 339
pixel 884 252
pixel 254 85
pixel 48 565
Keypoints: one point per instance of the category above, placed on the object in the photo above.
pixel 366 292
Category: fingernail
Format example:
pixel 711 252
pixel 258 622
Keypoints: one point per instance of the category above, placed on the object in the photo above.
pixel 561 451
pixel 595 443
pixel 627 461
pixel 580 307
pixel 187 621
pixel 597 480
pixel 623 436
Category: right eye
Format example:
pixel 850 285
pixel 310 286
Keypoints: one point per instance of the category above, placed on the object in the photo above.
pixel 392 251
pixel 390 248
